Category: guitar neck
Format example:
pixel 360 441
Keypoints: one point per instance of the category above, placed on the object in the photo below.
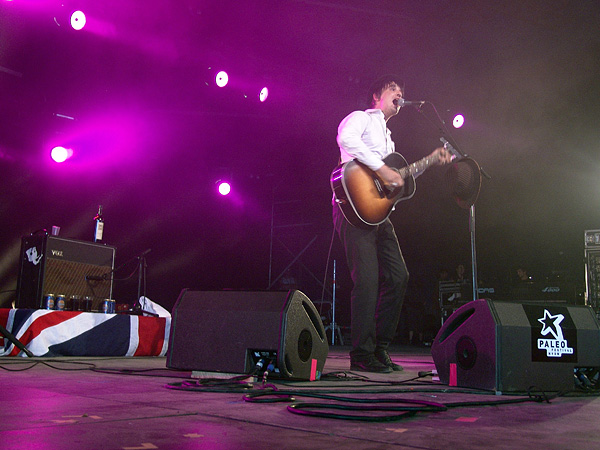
pixel 418 167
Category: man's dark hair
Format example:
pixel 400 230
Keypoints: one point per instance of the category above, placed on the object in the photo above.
pixel 381 84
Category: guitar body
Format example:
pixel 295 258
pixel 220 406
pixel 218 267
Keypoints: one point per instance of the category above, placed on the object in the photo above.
pixel 361 195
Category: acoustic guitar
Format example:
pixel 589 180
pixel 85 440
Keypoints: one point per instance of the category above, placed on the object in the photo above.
pixel 363 197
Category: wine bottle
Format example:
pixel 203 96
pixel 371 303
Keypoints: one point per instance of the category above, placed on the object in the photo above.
pixel 98 225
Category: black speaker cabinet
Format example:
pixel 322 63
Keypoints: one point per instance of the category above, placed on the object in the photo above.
pixel 510 346
pixel 53 265
pixel 230 331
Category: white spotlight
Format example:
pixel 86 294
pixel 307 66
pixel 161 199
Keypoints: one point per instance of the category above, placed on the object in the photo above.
pixel 78 20
pixel 61 154
pixel 222 79
pixel 264 93
pixel 458 121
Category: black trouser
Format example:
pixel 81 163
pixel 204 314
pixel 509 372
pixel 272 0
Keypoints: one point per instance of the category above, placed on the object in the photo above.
pixel 380 278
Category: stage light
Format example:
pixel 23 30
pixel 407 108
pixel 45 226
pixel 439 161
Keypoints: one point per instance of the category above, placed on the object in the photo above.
pixel 78 20
pixel 61 154
pixel 458 121
pixel 264 93
pixel 224 187
pixel 222 79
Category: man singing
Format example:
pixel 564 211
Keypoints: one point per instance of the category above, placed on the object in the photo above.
pixel 377 268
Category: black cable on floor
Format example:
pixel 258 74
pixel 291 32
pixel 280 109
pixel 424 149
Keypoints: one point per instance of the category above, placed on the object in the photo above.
pixel 305 409
pixel 31 364
pixel 162 373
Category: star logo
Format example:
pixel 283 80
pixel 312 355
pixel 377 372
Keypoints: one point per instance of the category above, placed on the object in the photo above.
pixel 551 324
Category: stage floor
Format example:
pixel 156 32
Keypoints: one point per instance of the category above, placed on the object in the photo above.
pixel 123 403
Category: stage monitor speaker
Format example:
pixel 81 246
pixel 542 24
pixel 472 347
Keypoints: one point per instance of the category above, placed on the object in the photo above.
pixel 512 347
pixel 231 331
pixel 59 266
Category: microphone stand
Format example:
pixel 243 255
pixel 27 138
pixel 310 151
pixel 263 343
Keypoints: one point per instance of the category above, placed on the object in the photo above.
pixel 333 325
pixel 446 134
pixel 12 338
pixel 137 308
pixel 473 251
pixel 105 275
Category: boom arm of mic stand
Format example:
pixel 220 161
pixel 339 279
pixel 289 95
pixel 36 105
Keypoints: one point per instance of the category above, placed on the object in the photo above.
pixel 106 275
pixel 128 261
pixel 446 134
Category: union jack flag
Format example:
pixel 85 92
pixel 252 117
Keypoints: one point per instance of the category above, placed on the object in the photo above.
pixel 75 333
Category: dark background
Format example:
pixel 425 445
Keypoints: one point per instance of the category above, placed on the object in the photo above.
pixel 152 134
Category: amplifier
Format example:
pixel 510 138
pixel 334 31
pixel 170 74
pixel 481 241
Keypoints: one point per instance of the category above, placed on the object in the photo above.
pixel 592 238
pixel 59 266
pixel 592 278
pixel 545 291
pixel 452 294
pixel 592 269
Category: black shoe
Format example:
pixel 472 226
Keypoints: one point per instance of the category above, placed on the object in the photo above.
pixel 369 364
pixel 384 358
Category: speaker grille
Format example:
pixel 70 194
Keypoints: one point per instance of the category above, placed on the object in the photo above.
pixel 68 278
pixel 466 353
pixel 304 345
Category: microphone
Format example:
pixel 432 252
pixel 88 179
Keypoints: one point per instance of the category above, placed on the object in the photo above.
pixel 401 102
pixel 95 278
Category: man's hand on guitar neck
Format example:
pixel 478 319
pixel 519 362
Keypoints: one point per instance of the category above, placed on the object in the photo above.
pixel 390 177
pixel 442 156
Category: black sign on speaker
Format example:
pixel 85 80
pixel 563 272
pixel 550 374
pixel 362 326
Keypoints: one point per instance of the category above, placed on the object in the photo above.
pixel 226 331
pixel 512 347
pixel 59 266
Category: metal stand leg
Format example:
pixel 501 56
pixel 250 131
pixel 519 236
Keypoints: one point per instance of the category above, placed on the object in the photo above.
pixel 137 308
pixel 473 252
pixel 8 335
pixel 333 326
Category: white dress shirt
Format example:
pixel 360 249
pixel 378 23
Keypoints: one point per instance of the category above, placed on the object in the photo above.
pixel 363 135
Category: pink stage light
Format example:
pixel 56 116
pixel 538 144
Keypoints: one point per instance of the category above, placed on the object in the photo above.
pixel 78 20
pixel 61 154
pixel 264 93
pixel 224 188
pixel 222 79
pixel 458 121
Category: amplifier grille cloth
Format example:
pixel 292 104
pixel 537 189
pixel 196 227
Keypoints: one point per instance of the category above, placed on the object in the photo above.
pixel 68 278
